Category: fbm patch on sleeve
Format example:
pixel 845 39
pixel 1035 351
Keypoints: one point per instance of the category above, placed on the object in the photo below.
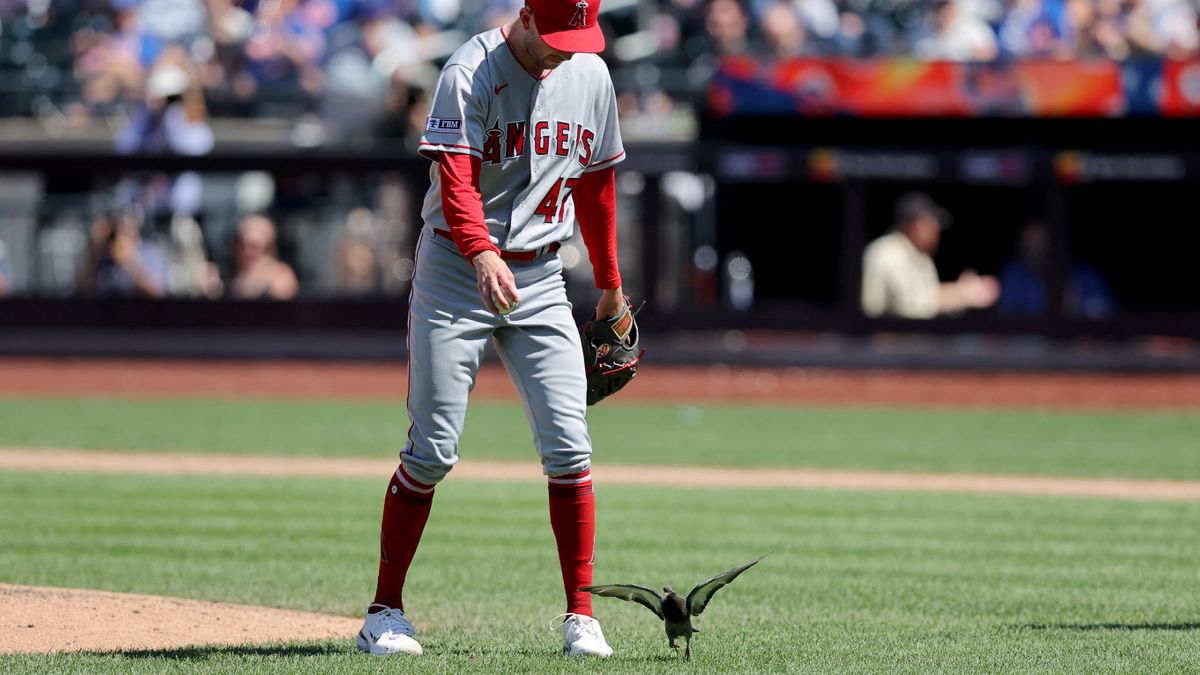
pixel 443 125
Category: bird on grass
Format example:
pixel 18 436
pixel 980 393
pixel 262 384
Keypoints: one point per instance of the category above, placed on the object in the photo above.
pixel 675 612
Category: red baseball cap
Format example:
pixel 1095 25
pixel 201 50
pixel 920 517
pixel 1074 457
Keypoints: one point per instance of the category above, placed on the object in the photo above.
pixel 569 25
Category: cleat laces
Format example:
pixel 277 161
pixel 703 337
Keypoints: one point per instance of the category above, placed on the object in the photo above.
pixel 393 621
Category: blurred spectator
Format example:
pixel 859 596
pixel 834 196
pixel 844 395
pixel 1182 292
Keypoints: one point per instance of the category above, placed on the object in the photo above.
pixel 171 21
pixel 853 38
pixel 1023 281
pixel 171 120
pixel 1162 27
pixel 190 274
pixel 819 17
pixel 286 58
pixel 1087 36
pixel 899 276
pixel 118 263
pixel 406 107
pixel 257 273
pixel 172 117
pixel 955 35
pixel 287 44
pixel 230 22
pixel 1033 28
pixel 727 27
pixel 355 267
pixel 783 34
pixel 109 63
pixel 1106 34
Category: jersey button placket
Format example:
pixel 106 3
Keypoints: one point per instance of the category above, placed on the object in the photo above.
pixel 530 136
pixel 535 117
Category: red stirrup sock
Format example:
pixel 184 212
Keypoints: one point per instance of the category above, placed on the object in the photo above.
pixel 405 510
pixel 573 518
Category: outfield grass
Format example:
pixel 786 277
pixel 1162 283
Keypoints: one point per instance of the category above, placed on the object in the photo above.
pixel 856 582
pixel 1119 444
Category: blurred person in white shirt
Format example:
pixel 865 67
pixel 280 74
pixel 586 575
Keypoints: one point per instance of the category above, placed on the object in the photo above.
pixel 1163 28
pixel 955 35
pixel 899 275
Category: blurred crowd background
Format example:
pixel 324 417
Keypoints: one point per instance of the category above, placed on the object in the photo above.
pixel 187 76
pixel 82 59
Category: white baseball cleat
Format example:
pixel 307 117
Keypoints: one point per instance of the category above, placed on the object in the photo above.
pixel 387 632
pixel 582 637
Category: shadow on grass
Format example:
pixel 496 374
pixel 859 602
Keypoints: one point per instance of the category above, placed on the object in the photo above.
pixel 1113 626
pixel 550 653
pixel 204 652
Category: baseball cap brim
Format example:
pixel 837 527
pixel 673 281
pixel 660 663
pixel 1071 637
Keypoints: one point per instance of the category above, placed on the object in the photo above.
pixel 588 40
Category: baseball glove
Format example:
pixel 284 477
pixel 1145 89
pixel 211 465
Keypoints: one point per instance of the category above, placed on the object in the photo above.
pixel 610 354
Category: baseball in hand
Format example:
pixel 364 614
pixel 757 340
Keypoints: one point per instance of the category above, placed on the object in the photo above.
pixel 500 307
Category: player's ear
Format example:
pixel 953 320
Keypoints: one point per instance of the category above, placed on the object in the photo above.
pixel 526 17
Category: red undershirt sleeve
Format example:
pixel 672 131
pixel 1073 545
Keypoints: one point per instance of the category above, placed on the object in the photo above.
pixel 596 209
pixel 462 204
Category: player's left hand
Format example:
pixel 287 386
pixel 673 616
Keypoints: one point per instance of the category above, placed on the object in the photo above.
pixel 497 287
pixel 610 347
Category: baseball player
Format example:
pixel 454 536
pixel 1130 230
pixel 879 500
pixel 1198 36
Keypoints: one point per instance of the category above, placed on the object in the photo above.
pixel 523 137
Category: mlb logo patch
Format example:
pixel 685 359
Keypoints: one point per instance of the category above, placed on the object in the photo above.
pixel 443 125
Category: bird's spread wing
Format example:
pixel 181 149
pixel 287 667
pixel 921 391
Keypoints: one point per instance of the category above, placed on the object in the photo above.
pixel 698 599
pixel 646 597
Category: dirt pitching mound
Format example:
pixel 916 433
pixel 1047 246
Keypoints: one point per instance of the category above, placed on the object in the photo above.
pixel 35 619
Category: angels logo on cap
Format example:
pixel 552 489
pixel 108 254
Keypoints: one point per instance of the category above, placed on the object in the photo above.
pixel 569 25
pixel 579 18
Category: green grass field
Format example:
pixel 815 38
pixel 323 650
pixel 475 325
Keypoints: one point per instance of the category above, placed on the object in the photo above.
pixel 1123 444
pixel 856 581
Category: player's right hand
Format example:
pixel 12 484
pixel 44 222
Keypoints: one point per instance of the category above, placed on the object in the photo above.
pixel 495 282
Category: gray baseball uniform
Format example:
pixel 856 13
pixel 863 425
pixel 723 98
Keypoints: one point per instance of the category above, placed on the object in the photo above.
pixel 535 138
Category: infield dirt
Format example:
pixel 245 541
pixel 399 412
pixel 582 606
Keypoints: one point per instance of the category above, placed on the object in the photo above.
pixel 72 461
pixel 38 619
pixel 715 383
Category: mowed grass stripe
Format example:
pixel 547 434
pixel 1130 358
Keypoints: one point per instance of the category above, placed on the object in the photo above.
pixel 1099 444
pixel 856 582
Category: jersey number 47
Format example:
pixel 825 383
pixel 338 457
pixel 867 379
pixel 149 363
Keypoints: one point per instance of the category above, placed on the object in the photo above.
pixel 555 200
